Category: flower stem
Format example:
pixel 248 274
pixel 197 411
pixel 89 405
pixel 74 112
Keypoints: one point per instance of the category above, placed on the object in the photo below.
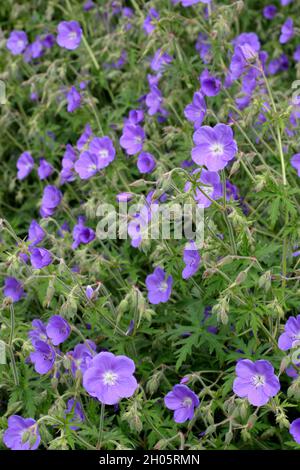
pixel 10 345
pixel 99 443
pixel 91 54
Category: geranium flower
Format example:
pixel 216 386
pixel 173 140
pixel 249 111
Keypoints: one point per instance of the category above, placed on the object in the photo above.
pixel 22 434
pixel 81 356
pixel 69 34
pixel 75 410
pixel 291 336
pixel 256 381
pixel 58 330
pixel 13 289
pixel 25 165
pixel 146 162
pixel 104 150
pixel 215 147
pixel 159 286
pixel 287 31
pixel 132 139
pixel 195 112
pixel 17 42
pixel 73 100
pixel 36 233
pixel 110 378
pixel 43 357
pixel 183 402
pixel 40 257
pixel 210 85
pixel 82 233
pixel 45 169
pixel 191 258
pixel 52 197
pixel 295 430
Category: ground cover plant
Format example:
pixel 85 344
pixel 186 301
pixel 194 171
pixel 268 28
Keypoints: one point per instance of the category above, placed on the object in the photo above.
pixel 144 342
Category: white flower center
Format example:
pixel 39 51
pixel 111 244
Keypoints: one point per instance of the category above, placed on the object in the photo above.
pixel 92 167
pixel 20 43
pixel 208 190
pixel 187 402
pixel 72 35
pixel 109 378
pixel 258 380
pixel 103 153
pixel 163 286
pixel 217 149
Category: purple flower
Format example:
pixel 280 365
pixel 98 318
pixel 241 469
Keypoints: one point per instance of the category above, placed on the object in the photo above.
pixel 73 100
pixel 149 24
pixel 85 137
pixel 38 333
pixel 17 42
pixel 295 162
pixel 40 257
pixel 25 165
pixel 33 50
pixel 211 186
pixel 132 139
pixel 146 162
pixel 69 34
pixel 86 165
pixel 160 61
pixel 104 150
pixel 191 258
pixel 21 434
pixel 237 65
pixel 291 336
pixel 256 381
pixel 278 65
pixel 270 11
pixel 45 169
pixel 154 100
pixel 135 116
pixel 287 31
pixel 82 356
pixel 183 402
pixel 58 330
pixel 215 147
pixel 69 157
pixel 89 292
pixel 285 2
pixel 138 225
pixel 43 357
pixel 75 410
pixel 159 286
pixel 82 234
pixel 210 85
pixel 203 47
pixel 250 39
pixel 110 378
pixel 297 54
pixel 49 41
pixel 13 289
pixel 124 197
pixel 51 199
pixel 35 233
pixel 189 3
pixel 195 112
pixel 89 5
pixel 295 430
